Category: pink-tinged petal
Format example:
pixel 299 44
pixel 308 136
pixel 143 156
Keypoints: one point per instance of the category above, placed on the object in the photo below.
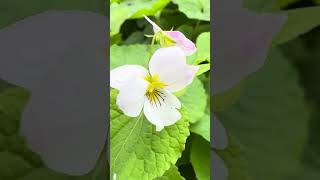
pixel 156 28
pixel 120 76
pixel 132 96
pixel 188 46
pixel 171 67
pixel 163 113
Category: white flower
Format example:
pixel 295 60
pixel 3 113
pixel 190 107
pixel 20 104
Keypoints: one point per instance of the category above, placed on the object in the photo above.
pixel 114 176
pixel 152 91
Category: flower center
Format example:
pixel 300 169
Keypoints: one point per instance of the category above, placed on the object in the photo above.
pixel 164 39
pixel 154 90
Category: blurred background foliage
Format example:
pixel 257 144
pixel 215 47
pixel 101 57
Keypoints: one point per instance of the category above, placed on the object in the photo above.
pixel 274 112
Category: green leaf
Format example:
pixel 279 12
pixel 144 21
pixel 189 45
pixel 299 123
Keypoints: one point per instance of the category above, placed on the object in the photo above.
pixel 13 11
pixel 116 39
pixel 203 49
pixel 137 150
pixel 171 174
pixel 203 68
pixel 128 9
pixel 131 54
pixel 202 127
pixel 134 38
pixel 12 101
pixel 200 158
pixel 304 53
pixel 195 9
pixel 299 21
pixel 235 160
pixel 270 119
pixel 194 100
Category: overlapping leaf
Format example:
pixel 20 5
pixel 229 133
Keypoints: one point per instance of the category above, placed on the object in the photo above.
pixel 171 174
pixel 194 100
pixel 137 150
pixel 270 119
pixel 300 21
pixel 200 153
pixel 195 9
pixel 202 56
pixel 132 9
pixel 235 160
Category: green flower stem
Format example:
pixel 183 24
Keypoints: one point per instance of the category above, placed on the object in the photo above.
pixel 151 47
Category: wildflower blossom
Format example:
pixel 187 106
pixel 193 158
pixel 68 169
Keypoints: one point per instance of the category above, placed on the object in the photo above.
pixel 152 90
pixel 171 38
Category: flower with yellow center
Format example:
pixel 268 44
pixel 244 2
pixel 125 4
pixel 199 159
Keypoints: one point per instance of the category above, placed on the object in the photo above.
pixel 152 90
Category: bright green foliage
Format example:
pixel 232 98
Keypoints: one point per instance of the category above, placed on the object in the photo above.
pixel 202 127
pixel 137 150
pixel 203 49
pixel 171 174
pixel 270 119
pixel 195 9
pixel 134 54
pixel 200 153
pixel 194 100
pixel 127 9
pixel 299 21
pixel 203 68
pixel 235 160
pixel 203 53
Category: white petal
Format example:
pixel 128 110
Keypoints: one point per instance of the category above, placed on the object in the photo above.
pixel 156 28
pixel 170 65
pixel 123 74
pixel 131 97
pixel 171 100
pixel 165 114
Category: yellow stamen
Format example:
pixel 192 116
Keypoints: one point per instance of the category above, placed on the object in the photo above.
pixel 153 92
